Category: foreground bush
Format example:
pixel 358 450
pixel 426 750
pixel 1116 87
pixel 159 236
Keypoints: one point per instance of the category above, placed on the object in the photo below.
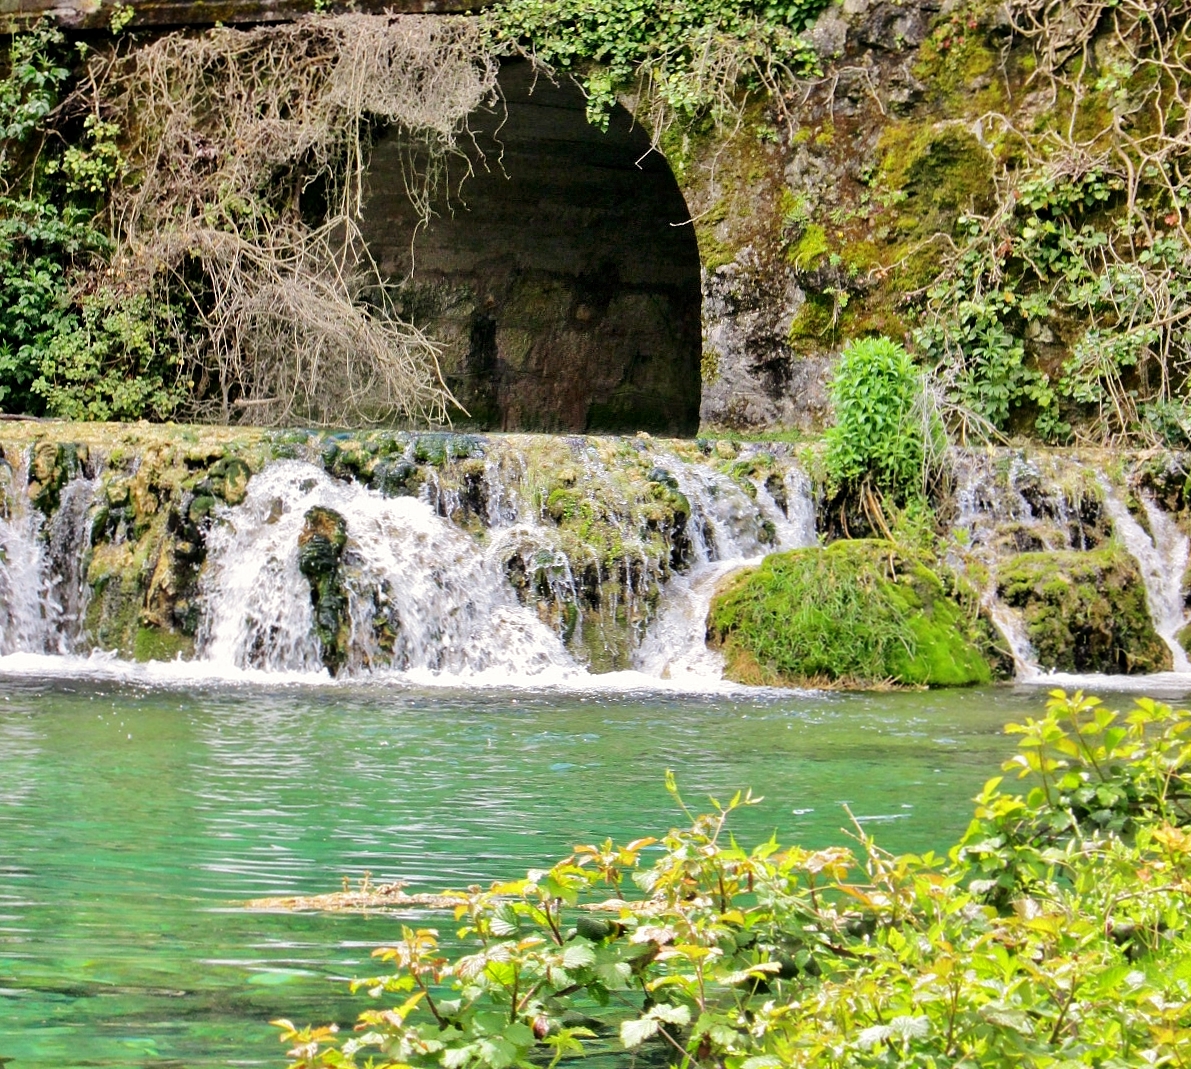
pixel 1053 935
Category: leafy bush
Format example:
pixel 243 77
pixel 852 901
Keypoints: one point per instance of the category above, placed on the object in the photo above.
pixel 884 435
pixel 39 246
pixel 107 362
pixel 1054 935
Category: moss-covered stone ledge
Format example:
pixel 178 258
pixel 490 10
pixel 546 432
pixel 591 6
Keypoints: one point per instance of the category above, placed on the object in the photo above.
pixel 603 526
pixel 856 613
pixel 1084 612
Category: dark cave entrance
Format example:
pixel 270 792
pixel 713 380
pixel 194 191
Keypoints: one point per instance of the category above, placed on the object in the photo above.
pixel 563 281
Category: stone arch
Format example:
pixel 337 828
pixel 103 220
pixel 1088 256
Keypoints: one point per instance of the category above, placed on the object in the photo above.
pixel 564 281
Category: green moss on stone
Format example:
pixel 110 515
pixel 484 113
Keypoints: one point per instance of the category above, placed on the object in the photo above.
pixel 806 253
pixel 160 644
pixel 1084 611
pixel 857 612
pixel 320 551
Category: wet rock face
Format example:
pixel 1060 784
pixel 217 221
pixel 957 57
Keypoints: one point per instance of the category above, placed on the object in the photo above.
pixel 756 380
pixel 1084 612
pixel 562 280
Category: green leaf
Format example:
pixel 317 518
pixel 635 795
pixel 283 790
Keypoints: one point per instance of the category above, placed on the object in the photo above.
pixel 578 956
pixel 634 1033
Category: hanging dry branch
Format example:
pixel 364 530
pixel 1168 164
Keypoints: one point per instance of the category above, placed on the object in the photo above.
pixel 236 132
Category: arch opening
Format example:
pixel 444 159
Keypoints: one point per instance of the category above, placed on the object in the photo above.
pixel 562 282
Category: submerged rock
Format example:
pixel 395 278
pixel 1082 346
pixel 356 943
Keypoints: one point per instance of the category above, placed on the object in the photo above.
pixel 1084 612
pixel 857 612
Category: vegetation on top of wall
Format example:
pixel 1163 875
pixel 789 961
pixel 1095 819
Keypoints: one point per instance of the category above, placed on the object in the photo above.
pixel 1054 933
pixel 1022 217
pixel 676 58
pixel 71 343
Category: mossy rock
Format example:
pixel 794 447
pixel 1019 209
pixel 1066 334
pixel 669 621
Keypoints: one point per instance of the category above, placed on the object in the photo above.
pixel 857 612
pixel 320 553
pixel 51 466
pixel 230 479
pixel 1084 612
pixel 439 447
pixel 161 644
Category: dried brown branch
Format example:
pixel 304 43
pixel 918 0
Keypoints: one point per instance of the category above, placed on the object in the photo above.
pixel 236 134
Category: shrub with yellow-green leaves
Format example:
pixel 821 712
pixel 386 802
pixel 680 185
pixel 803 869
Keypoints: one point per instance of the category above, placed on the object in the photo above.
pixel 1054 934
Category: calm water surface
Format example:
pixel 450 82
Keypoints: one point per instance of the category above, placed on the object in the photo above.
pixel 134 819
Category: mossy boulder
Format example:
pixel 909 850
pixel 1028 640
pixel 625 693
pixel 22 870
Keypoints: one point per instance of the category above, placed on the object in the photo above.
pixel 857 612
pixel 1084 612
pixel 320 552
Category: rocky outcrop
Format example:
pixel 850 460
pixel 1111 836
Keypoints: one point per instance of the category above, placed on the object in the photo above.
pixel 1084 612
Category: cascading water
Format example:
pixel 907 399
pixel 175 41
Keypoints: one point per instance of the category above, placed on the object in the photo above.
pixel 408 574
pixel 726 537
pixel 43 589
pixel 1161 556
pixel 22 565
pixel 982 507
pixel 512 556
pixel 1008 504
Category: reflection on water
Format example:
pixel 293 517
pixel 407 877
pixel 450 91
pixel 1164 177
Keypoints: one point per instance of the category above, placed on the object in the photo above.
pixel 132 820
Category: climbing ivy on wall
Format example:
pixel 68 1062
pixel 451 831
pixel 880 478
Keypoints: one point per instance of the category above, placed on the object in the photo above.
pixel 680 58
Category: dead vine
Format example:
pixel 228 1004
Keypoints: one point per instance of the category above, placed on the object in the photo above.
pixel 236 134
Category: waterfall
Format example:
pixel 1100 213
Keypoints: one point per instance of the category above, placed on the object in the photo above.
pixel 407 572
pixel 726 539
pixel 983 505
pixel 500 558
pixel 43 588
pixel 1161 557
pixel 1007 503
pixel 22 567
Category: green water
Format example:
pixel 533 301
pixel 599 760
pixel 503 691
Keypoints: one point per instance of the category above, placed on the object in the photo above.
pixel 132 822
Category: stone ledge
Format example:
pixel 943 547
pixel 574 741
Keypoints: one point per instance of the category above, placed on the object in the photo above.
pixel 97 14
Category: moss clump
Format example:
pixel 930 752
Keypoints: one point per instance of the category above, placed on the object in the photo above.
pixel 940 172
pixel 858 612
pixel 810 248
pixel 156 644
pixel 1084 612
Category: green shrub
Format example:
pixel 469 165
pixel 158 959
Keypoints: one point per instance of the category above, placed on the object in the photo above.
pixel 97 356
pixel 38 247
pixel 107 362
pixel 1055 935
pixel 666 45
pixel 882 435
